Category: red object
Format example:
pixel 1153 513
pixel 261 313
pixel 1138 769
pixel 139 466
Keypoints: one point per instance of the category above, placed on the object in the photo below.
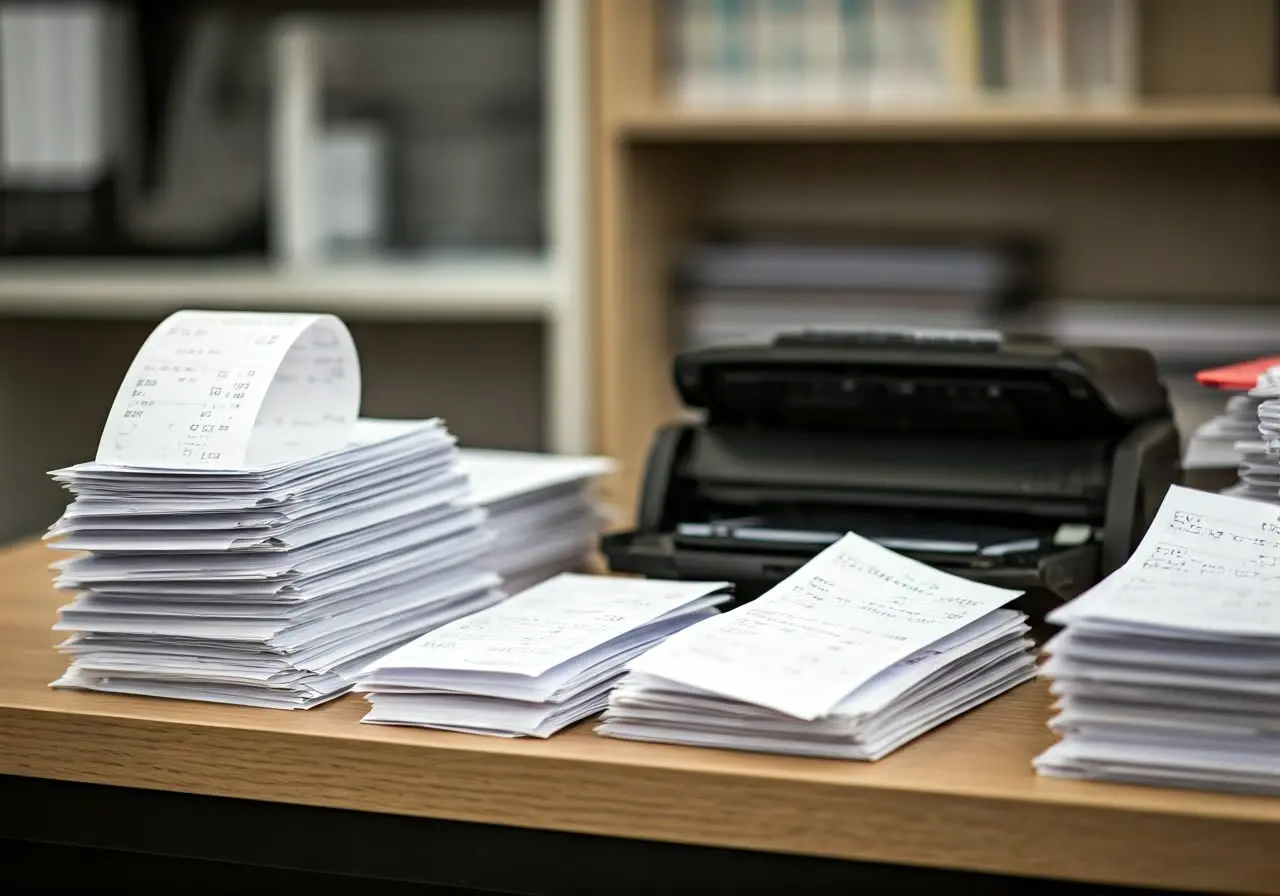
pixel 1242 376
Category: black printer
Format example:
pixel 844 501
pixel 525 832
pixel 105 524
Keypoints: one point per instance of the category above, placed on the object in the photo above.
pixel 1013 461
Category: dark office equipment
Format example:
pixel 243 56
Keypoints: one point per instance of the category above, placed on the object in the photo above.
pixel 1012 461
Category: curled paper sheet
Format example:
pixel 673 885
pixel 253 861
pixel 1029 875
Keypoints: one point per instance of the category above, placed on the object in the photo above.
pixel 1268 384
pixel 213 390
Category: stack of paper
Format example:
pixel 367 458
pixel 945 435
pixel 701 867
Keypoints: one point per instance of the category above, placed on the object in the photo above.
pixel 539 661
pixel 247 540
pixel 1260 455
pixel 1246 436
pixel 267 588
pixel 545 494
pixel 1227 441
pixel 1168 672
pixel 854 655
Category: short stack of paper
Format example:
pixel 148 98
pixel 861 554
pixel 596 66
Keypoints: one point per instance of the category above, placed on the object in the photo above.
pixel 1168 672
pixel 1227 441
pixel 247 539
pixel 542 511
pixel 536 663
pixel 854 655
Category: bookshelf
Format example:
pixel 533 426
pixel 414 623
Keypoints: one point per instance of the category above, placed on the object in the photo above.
pixel 1169 200
pixel 542 283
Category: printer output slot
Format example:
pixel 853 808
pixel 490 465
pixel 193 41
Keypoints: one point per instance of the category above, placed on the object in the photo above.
pixel 957 539
pixel 1047 578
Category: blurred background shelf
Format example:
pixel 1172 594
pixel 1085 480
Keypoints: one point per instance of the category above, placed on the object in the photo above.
pixel 1113 160
pixel 500 290
pixel 1202 120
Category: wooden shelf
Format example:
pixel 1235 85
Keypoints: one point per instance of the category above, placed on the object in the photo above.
pixel 501 288
pixel 1183 120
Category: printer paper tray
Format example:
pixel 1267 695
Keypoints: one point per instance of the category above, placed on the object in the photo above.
pixel 1056 577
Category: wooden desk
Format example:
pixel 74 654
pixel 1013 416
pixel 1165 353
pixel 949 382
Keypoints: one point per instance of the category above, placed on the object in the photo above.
pixel 963 797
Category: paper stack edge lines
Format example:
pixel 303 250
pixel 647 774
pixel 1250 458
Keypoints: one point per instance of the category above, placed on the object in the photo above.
pixel 527 494
pixel 854 655
pixel 1168 671
pixel 1245 436
pixel 248 539
pixel 536 663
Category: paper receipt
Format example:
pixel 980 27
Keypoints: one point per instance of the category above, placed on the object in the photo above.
pixel 214 390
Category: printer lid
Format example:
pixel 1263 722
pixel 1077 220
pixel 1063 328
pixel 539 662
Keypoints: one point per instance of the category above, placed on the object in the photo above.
pixel 925 384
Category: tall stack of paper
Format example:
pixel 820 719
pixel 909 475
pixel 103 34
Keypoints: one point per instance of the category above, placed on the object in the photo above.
pixel 248 540
pixel 1246 436
pixel 549 495
pixel 1229 440
pixel 1168 672
pixel 852 656
pixel 536 663
pixel 1260 454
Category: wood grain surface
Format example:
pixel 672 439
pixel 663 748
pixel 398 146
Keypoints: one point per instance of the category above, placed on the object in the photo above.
pixel 963 797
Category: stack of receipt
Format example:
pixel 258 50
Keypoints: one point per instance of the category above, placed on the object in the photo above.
pixel 1228 441
pixel 246 539
pixel 852 656
pixel 1168 671
pixel 540 661
pixel 1260 453
pixel 549 495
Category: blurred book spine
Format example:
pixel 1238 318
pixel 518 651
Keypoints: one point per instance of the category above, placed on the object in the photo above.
pixel 858 48
pixel 60 134
pixel 884 53
pixel 750 291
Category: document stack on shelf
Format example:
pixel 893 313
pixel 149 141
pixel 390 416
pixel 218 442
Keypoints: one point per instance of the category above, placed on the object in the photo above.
pixel 753 290
pixel 549 495
pixel 275 544
pixel 852 656
pixel 1168 671
pixel 537 662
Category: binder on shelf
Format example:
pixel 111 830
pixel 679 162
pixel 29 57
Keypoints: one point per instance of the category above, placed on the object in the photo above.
pixel 783 54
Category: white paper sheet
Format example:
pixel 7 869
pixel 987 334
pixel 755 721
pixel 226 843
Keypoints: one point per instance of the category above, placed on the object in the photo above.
pixel 499 476
pixel 548 625
pixel 801 648
pixel 229 390
pixel 1208 564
